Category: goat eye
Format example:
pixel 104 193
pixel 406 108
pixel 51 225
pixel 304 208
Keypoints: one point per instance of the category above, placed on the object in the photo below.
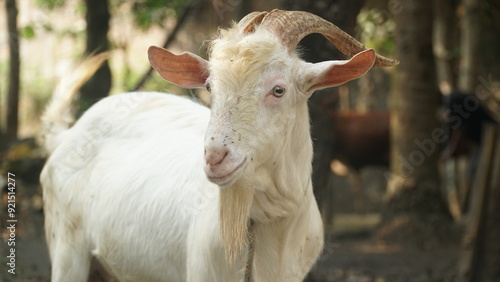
pixel 278 91
pixel 207 86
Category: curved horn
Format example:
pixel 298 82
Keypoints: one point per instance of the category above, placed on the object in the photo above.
pixel 293 26
pixel 247 24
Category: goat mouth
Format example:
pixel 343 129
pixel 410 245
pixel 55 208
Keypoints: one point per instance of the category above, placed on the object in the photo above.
pixel 228 178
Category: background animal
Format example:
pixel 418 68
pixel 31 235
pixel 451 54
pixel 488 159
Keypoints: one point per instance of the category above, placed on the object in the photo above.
pixel 363 139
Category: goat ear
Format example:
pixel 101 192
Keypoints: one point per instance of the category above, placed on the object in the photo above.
pixel 186 70
pixel 333 73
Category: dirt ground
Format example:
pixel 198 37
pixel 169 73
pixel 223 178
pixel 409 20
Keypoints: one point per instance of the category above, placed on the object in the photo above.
pixel 359 258
pixel 351 253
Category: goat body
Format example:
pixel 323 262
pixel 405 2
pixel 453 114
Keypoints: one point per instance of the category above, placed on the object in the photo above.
pixel 141 220
pixel 158 188
pixel 117 217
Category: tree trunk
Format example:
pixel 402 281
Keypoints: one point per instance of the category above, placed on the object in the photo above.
pixel 415 207
pixel 343 13
pixel 98 86
pixel 488 253
pixel 14 69
pixel 442 36
pixel 485 267
pixel 480 245
pixel 469 45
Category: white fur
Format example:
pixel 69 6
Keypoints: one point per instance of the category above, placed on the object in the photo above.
pixel 130 190
pixel 128 182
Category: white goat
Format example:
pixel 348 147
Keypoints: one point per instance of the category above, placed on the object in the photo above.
pixel 126 183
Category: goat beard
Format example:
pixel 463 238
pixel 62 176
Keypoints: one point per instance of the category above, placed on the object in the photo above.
pixel 235 203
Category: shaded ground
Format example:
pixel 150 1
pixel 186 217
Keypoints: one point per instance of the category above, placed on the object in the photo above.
pixel 356 257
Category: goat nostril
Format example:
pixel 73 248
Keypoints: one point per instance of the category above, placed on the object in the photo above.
pixel 214 157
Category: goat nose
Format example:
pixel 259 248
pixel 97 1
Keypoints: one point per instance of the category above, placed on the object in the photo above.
pixel 215 156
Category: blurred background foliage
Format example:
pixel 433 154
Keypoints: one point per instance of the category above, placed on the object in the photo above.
pixel 52 35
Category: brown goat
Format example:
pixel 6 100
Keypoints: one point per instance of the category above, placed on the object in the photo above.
pixel 361 139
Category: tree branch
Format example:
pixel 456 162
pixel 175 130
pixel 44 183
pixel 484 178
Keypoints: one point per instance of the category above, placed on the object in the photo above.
pixel 170 38
pixel 14 70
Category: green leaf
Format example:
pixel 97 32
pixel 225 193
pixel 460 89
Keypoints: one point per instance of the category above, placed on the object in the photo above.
pixel 28 32
pixel 50 4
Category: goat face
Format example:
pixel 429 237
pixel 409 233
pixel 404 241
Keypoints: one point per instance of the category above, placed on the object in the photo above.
pixel 255 100
pixel 259 89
